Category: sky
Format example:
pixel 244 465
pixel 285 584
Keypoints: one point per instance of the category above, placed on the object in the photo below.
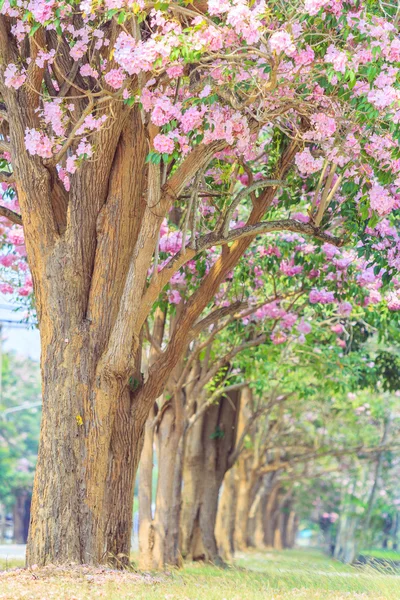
pixel 24 340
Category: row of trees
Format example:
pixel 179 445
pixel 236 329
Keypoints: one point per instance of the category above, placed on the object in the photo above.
pixel 253 427
pixel 148 150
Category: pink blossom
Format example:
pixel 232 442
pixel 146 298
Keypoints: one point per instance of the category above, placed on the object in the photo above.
pixel 345 309
pixel 338 328
pixel 115 78
pixel 304 57
pixel 171 242
pixel 289 268
pixel 41 10
pixel 53 115
pixel 271 311
pixel 63 175
pixel 38 143
pixel 205 92
pixel 382 98
pixel 84 148
pixel 44 57
pixel 7 260
pixel 218 7
pixel 278 338
pixel 174 296
pixel 175 71
pixel 301 217
pixel 337 58
pixel 14 78
pixel 71 165
pixel 163 144
pixel 306 163
pixel 288 320
pixel 324 127
pixel 88 71
pixel 381 200
pixel 330 250
pixel 304 327
pixel 321 297
pixel 6 288
pixel 312 7
pixel 282 41
pixel 192 118
pixel 393 301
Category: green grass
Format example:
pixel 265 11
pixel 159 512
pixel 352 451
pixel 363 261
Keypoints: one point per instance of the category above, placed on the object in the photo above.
pixel 289 575
pixel 390 555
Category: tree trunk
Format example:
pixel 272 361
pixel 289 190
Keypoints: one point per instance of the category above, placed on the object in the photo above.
pixel 255 532
pixel 225 526
pixel 146 531
pixel 172 552
pixel 193 481
pixel 125 450
pixel 269 524
pixel 291 530
pixel 21 515
pixel 168 442
pixel 345 547
pixel 242 507
pixel 210 444
pixel 73 465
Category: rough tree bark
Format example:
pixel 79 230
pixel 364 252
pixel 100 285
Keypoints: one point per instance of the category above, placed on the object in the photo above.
pixel 21 514
pixel 209 446
pixel 225 525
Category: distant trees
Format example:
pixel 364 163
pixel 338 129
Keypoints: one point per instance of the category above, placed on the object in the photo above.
pixel 20 413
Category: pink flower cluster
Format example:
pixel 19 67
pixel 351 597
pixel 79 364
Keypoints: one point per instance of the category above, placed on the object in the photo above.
pixel 13 77
pixel 306 163
pixel 163 144
pixel 312 7
pixel 337 58
pixel 38 143
pixel 381 200
pixel 282 42
pixel 321 297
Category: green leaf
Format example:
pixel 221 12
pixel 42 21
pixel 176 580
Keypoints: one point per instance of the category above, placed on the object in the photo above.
pixel 34 29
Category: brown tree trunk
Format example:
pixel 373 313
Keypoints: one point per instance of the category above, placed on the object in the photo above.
pixel 213 441
pixel 146 531
pixel 242 506
pixel 172 552
pixel 168 442
pixel 291 530
pixel 72 466
pixel 268 521
pixel 21 515
pixel 225 525
pixel 125 450
pixel 193 481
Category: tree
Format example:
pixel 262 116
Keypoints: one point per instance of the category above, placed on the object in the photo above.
pixel 114 116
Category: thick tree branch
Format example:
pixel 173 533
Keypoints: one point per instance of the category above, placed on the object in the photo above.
pixel 216 315
pixel 10 215
pixel 5 146
pixel 214 239
pixel 243 194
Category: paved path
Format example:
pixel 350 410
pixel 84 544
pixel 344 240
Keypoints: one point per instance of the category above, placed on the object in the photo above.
pixel 12 551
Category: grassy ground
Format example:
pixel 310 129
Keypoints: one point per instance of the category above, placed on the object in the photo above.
pixel 389 555
pixel 290 575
